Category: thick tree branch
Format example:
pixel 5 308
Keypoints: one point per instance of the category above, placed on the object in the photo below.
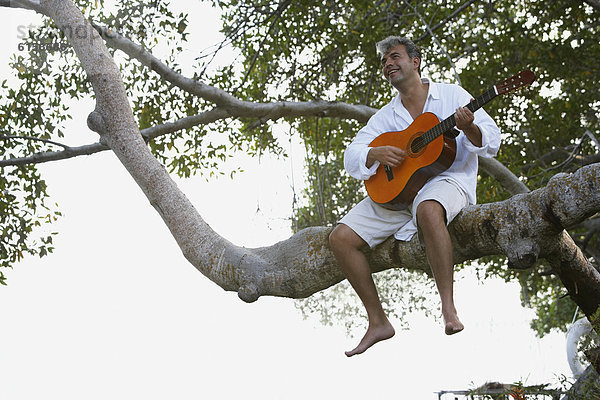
pixel 224 100
pixel 229 264
pixel 524 228
pixel 503 175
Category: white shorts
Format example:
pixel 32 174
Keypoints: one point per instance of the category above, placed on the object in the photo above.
pixel 374 223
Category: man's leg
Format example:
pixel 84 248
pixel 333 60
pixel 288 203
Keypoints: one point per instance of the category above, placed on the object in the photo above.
pixel 346 246
pixel 431 218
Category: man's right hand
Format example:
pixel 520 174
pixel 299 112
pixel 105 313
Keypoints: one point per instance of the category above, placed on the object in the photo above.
pixel 386 155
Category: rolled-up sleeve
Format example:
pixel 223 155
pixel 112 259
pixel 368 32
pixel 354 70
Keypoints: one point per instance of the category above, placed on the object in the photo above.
pixel 490 136
pixel 355 156
pixel 355 161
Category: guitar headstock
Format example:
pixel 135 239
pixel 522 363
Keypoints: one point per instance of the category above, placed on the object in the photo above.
pixel 515 82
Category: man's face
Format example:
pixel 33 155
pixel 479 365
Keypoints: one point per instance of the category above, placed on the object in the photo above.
pixel 397 65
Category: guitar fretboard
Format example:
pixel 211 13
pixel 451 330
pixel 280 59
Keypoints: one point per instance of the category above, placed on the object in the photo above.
pixel 421 142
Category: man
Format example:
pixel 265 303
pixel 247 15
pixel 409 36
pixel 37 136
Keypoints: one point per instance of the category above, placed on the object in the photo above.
pixel 436 204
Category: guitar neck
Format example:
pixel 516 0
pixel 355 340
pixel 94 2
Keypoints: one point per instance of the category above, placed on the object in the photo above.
pixel 450 122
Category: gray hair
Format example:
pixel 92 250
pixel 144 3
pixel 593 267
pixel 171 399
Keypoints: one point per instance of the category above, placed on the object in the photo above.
pixel 384 46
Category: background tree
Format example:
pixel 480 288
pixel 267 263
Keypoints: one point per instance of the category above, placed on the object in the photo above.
pixel 313 66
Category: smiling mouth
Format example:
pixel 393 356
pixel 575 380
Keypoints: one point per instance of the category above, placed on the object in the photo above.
pixel 392 71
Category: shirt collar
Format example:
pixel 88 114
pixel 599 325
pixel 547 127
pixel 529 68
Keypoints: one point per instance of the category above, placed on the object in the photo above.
pixel 433 88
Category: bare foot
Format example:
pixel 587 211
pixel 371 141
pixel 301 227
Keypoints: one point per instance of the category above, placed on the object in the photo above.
pixel 374 334
pixel 453 324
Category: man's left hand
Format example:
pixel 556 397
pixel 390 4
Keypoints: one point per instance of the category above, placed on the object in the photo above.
pixel 464 121
pixel 464 118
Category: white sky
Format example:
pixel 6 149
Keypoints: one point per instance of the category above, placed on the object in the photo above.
pixel 118 313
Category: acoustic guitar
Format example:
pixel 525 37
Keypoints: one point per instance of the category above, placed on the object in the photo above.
pixel 430 147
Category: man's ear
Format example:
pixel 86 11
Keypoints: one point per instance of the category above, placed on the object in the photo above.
pixel 416 62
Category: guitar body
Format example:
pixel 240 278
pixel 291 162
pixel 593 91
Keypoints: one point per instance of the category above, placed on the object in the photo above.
pixel 396 187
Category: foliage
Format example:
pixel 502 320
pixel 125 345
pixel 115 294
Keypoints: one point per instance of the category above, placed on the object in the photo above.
pixel 303 51
pixel 21 191
pixel 516 391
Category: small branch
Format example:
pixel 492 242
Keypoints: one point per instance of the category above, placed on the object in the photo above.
pixel 277 13
pixel 593 138
pixel 64 146
pixel 574 152
pixel 445 20
pixel 69 152
pixel 568 155
pixel 148 134
pixel 435 39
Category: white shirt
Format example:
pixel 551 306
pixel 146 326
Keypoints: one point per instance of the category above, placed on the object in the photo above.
pixel 442 100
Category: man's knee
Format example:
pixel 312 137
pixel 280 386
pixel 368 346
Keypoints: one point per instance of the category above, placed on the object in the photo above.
pixel 430 212
pixel 343 237
pixel 339 236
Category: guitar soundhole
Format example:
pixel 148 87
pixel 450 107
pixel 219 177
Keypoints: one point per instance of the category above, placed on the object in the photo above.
pixel 417 145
